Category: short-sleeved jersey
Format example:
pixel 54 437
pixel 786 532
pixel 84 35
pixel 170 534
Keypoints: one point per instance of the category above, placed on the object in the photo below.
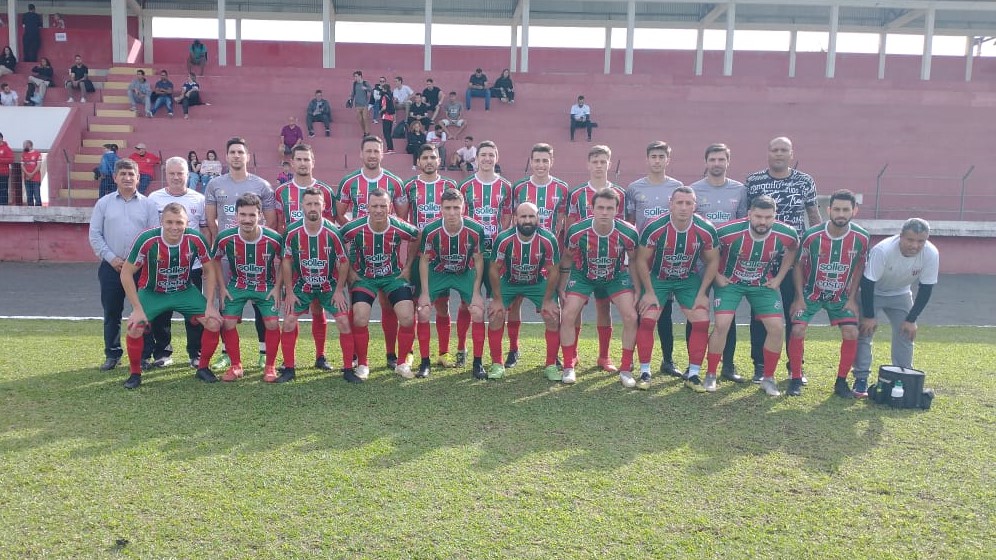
pixel 316 258
pixel 828 263
pixel 675 252
pixel 750 262
pixel 551 199
pixel 375 254
pixel 793 195
pixel 720 205
pixel 894 274
pixel 354 188
pixel 252 263
pixel 452 253
pixel 290 201
pixel 645 200
pixel 525 262
pixel 165 268
pixel 223 191
pixel 425 199
pixel 579 201
pixel 487 203
pixel 601 257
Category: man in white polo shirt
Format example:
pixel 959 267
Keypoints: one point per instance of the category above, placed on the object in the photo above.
pixel 894 264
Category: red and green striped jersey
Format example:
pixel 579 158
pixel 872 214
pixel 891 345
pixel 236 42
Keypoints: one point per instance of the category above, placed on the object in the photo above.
pixel 551 199
pixel 290 206
pixel 525 262
pixel 828 263
pixel 165 268
pixel 579 201
pixel 253 264
pixel 601 257
pixel 316 257
pixel 676 252
pixel 487 203
pixel 425 199
pixel 376 254
pixel 354 188
pixel 452 253
pixel 751 262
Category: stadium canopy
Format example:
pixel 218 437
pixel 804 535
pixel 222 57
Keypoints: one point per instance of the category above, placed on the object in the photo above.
pixel 973 20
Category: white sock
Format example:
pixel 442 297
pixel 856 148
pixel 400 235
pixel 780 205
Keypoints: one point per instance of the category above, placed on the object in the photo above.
pixel 694 369
pixel 262 347
pixel 645 368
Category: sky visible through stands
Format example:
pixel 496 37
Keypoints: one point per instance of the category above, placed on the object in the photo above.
pixel 573 37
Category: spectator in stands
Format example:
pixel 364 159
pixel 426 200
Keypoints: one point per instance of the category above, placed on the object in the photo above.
pixel 417 111
pixel 375 103
pixel 139 90
pixel 387 115
pixel 466 157
pixel 318 110
pixel 581 117
pixel 6 160
pixel 31 171
pixel 210 168
pixel 198 57
pixel 8 97
pixel 478 87
pixel 78 75
pixel 194 171
pixel 8 62
pixel 437 137
pixel 432 96
pixel 453 115
pixel 147 164
pixel 31 40
pixel 162 94
pixel 285 173
pixel 402 94
pixel 39 82
pixel 416 137
pixel 503 88
pixel 191 94
pixel 56 22
pixel 359 99
pixel 106 168
pixel 290 135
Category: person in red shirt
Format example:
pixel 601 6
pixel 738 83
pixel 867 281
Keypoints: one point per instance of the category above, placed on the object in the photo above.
pixel 31 167
pixel 6 158
pixel 147 164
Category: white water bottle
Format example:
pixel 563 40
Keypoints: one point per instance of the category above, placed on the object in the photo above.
pixel 897 394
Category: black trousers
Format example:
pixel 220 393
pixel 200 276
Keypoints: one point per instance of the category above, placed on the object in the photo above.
pixel 758 333
pixel 4 189
pixel 31 43
pixel 112 298
pixel 575 124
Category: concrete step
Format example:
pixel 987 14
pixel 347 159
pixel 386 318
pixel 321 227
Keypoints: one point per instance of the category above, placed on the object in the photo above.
pixel 128 70
pixel 115 99
pixel 87 158
pixel 126 128
pixel 109 85
pixel 79 193
pixel 99 142
pixel 80 176
pixel 119 113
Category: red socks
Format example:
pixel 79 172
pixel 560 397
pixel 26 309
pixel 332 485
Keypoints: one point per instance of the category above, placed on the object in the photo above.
pixel 644 339
pixel 604 337
pixel 714 360
pixel 797 347
pixel 848 349
pixel 406 339
pixel 231 339
pixel 513 335
pixel 697 342
pixel 425 336
pixel 346 343
pixel 553 347
pixel 389 322
pixel 319 331
pixel 361 343
pixel 771 362
pixel 442 332
pixel 209 343
pixel 288 344
pixel 494 343
pixel 570 354
pixel 135 346
pixel 478 336
pixel 463 323
pixel 627 360
pixel 272 341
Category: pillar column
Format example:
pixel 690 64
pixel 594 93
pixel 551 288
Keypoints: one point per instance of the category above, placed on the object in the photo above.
pixel 222 35
pixel 608 50
pixel 882 39
pixel 524 66
pixel 832 47
pixel 328 34
pixel 928 44
pixel 427 61
pixel 119 31
pixel 793 49
pixel 731 23
pixel 630 34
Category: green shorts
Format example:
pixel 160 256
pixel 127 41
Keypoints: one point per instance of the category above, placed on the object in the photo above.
pixel 190 303
pixel 233 307
pixel 386 284
pixel 764 301
pixel 580 285
pixel 440 284
pixel 835 311
pixel 324 299
pixel 684 291
pixel 532 292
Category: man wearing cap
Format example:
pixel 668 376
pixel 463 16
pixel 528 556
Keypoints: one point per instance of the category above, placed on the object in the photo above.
pixel 106 169
pixel 147 163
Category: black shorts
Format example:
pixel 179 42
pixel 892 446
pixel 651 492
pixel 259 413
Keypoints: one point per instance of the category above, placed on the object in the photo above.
pixel 403 293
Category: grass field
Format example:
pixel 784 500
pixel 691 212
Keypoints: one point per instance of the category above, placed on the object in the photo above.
pixel 449 467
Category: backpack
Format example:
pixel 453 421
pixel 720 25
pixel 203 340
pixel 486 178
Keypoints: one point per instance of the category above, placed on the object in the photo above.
pixel 400 130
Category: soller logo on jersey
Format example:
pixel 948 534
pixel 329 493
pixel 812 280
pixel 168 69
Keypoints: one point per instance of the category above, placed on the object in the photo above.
pixel 602 261
pixel 545 212
pixel 486 212
pixel 719 216
pixel 251 268
pixel 314 264
pixel 654 212
pixel 296 215
pixel 837 267
pixel 429 208
pixel 677 259
pixel 378 259
pixel 228 209
pixel 525 269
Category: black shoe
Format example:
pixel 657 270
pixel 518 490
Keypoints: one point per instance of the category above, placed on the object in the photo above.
pixel 288 374
pixel 148 364
pixel 478 371
pixel 424 368
pixel 349 374
pixel 165 361
pixel 842 389
pixel 320 363
pixel 729 372
pixel 134 380
pixel 667 368
pixel 109 364
pixel 461 359
pixel 758 373
pixel 511 359
pixel 328 133
pixel 795 388
pixel 392 361
pixel 206 375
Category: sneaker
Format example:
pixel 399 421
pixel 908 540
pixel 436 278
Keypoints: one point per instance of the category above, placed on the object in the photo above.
pixel 170 115
pixel 375 121
pixel 321 362
pixel 206 375
pixel 148 114
pixel 328 133
pixel 568 378
pixel 234 373
pixel 70 100
pixel 165 361
pixel 82 99
pixel 392 361
pixel 694 383
pixel 511 359
pixel 224 362
pixel 461 358
pixel 133 381
pixel 195 362
pixel 551 372
pixel 626 378
pixel 269 374
pixel 404 370
pixel 186 117
pixel 860 388
pixel 349 374
pixel 424 369
pixel 795 388
pixel 311 135
pixel 667 368
pixel 410 359
pixel 769 387
pixel 478 371
pixel 709 383
pixel 644 382
pixel 841 389
pixel 497 371
pixel 729 372
pixel 261 362
pixel 607 365
pixel 362 372
pixel 805 380
pixel 758 373
pixel 109 364
pixel 148 364
pixel 132 109
pixel 286 374
pixel 446 361
pixel 389 152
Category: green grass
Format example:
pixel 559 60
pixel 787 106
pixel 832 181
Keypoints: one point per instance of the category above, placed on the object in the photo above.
pixel 520 468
